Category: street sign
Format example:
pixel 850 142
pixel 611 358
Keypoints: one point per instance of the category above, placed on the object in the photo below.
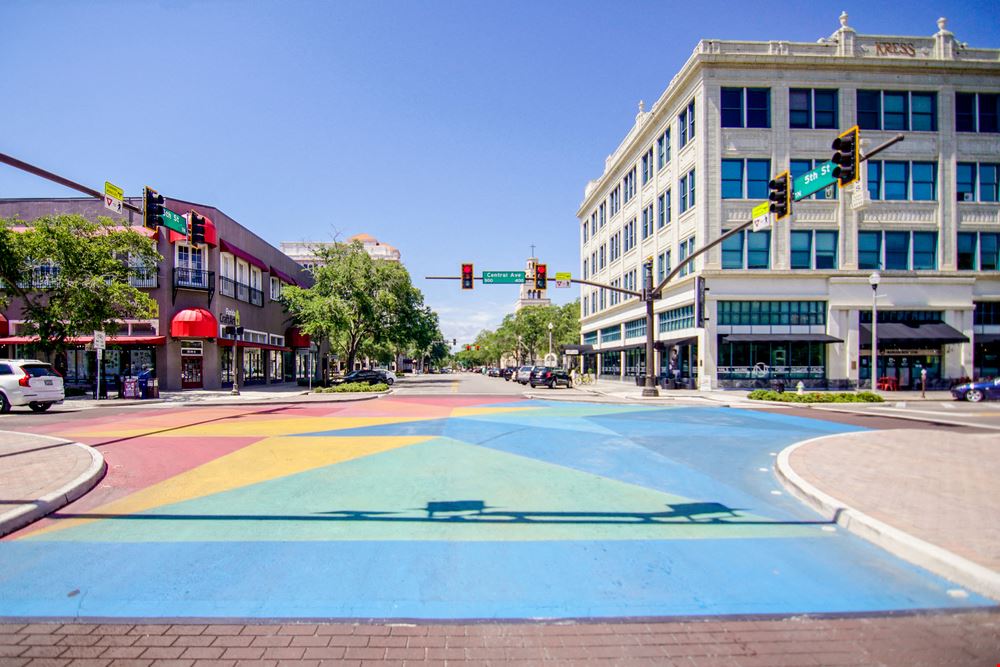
pixel 100 341
pixel 813 181
pixel 174 221
pixel 503 277
pixel 760 215
pixel 113 196
pixel 564 275
pixel 860 197
pixel 563 283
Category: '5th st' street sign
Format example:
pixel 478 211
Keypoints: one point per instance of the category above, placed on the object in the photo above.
pixel 813 181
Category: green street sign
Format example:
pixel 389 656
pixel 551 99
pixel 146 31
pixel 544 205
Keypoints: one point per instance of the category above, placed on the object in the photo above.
pixel 174 221
pixel 813 181
pixel 503 277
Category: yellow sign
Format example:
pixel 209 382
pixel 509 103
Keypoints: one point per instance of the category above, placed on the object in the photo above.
pixel 113 191
pixel 760 209
pixel 566 275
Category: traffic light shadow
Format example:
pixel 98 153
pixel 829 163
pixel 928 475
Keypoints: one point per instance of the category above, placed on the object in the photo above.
pixel 478 511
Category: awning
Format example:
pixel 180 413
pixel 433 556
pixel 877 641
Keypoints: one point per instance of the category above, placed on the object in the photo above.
pixel 211 234
pixel 979 337
pixel 4 325
pixel 242 254
pixel 226 342
pixel 783 337
pixel 577 349
pixel 283 277
pixel 664 344
pixel 295 338
pixel 194 323
pixel 87 340
pixel 935 333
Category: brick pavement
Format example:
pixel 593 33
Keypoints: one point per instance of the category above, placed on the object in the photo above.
pixel 939 486
pixel 959 639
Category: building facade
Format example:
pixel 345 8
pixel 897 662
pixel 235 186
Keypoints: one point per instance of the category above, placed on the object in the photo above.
pixel 793 302
pixel 304 252
pixel 529 296
pixel 235 278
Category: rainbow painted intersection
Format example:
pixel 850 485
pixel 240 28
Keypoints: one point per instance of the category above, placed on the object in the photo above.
pixel 447 508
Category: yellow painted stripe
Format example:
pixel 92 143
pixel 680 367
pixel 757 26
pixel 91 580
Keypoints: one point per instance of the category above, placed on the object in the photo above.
pixel 262 461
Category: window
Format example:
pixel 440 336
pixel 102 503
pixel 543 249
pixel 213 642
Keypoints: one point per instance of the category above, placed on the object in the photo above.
pixel 663 149
pixel 590 338
pixel 758 250
pixel 969 175
pixel 593 261
pixel 647 222
pixel 616 297
pixel 275 289
pixel 585 274
pixel 746 107
pixel 897 250
pixel 662 266
pixel 687 191
pixel 611 334
pixel 758 173
pixel 647 166
pixel 677 318
pixel 801 248
pixel 603 298
pixel 732 180
pixel 685 122
pixel 989 251
pixel 628 185
pixel 615 243
pixel 586 236
pixel 901 181
pixel 593 302
pixel 897 110
pixel 977 112
pixel 635 328
pixel 602 255
pixel 602 217
pixel 781 313
pixel 800 167
pixel 629 235
pixel 826 250
pixel 663 210
pixel 686 249
pixel 809 108
pixel 616 200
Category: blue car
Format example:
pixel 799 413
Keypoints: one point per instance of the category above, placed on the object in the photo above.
pixel 977 391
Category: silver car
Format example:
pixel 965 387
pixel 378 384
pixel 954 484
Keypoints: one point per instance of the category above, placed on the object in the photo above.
pixel 29 382
pixel 524 374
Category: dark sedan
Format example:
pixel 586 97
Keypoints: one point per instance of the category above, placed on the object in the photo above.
pixel 988 390
pixel 550 377
pixel 366 376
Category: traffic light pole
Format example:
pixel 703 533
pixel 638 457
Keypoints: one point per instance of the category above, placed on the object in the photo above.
pixel 55 178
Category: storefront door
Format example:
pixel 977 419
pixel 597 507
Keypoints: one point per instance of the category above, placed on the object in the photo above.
pixel 191 373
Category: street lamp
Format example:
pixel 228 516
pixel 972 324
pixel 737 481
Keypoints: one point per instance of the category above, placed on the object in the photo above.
pixel 520 359
pixel 551 327
pixel 873 280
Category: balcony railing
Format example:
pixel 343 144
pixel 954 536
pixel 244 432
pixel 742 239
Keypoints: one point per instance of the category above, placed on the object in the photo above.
pixel 194 279
pixel 144 277
pixel 240 291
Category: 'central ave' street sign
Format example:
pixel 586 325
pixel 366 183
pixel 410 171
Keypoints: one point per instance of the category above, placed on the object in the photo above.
pixel 813 181
pixel 503 277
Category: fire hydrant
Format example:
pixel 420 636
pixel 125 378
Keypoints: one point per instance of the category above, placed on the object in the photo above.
pixel 800 388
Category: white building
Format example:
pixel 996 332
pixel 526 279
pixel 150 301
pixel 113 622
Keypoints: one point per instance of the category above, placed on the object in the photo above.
pixel 794 302
pixel 304 252
pixel 529 296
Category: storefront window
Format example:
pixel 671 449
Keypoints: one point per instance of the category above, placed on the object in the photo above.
pixel 253 365
pixel 611 363
pixel 771 359
pixel 226 365
pixel 277 364
pixel 635 361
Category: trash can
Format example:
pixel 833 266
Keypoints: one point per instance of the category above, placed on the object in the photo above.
pixel 778 386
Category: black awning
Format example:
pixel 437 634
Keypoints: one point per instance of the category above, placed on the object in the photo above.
pixel 576 349
pixel 784 337
pixel 900 333
pixel 984 337
pixel 664 344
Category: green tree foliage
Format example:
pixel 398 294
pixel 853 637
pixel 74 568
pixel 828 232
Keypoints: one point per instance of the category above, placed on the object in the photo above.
pixel 524 335
pixel 361 305
pixel 72 276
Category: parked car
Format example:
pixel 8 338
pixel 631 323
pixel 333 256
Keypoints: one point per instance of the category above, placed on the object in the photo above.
pixel 365 375
pixel 975 392
pixel 524 374
pixel 389 375
pixel 509 372
pixel 550 377
pixel 29 382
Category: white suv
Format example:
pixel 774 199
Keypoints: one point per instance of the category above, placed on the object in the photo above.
pixel 29 382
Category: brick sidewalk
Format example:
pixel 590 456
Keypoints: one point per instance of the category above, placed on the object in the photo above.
pixel 960 639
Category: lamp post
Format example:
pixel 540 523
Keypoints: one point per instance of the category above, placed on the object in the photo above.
pixel 551 327
pixel 520 359
pixel 649 385
pixel 873 280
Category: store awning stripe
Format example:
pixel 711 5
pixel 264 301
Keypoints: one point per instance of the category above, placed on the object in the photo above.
pixel 782 337
pixel 224 246
pixel 934 333
pixel 284 277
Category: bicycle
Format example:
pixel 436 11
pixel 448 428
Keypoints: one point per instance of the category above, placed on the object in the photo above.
pixel 583 378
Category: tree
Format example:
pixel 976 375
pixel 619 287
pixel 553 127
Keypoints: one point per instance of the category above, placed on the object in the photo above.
pixel 361 305
pixel 72 276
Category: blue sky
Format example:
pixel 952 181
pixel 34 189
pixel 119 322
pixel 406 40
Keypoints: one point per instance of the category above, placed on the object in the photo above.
pixel 453 130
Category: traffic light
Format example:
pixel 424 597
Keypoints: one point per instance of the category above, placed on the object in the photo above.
pixel 152 211
pixel 780 195
pixel 477 347
pixel 541 277
pixel 468 276
pixel 848 156
pixel 197 228
pixel 468 348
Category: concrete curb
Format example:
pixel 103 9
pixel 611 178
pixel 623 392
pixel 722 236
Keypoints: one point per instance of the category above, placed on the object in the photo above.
pixel 24 515
pixel 138 405
pixel 931 557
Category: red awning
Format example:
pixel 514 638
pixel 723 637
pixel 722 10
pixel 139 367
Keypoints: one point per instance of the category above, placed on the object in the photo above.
pixel 225 342
pixel 283 277
pixel 4 325
pixel 87 340
pixel 242 254
pixel 295 338
pixel 194 323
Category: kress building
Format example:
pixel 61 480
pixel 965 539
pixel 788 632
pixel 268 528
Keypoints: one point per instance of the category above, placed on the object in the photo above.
pixel 794 302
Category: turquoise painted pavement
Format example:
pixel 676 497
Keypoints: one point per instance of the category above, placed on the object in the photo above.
pixel 451 508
